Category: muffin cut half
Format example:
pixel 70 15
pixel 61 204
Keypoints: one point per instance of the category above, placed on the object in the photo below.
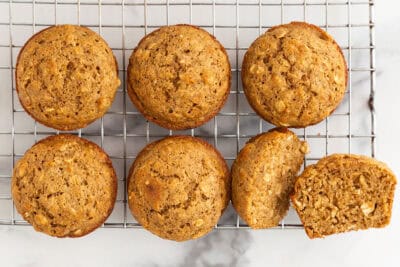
pixel 344 192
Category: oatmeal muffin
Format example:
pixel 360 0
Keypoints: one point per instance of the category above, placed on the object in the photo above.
pixel 178 187
pixel 179 77
pixel 263 177
pixel 65 186
pixel 294 75
pixel 66 77
pixel 343 193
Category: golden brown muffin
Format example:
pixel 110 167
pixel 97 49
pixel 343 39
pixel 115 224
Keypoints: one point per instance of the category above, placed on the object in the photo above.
pixel 66 77
pixel 263 177
pixel 343 193
pixel 294 75
pixel 179 76
pixel 178 187
pixel 65 186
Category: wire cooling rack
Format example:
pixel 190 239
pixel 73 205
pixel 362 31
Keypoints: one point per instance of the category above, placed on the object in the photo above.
pixel 123 132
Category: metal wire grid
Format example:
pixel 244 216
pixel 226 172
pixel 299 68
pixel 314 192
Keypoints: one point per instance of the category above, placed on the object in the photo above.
pixel 237 116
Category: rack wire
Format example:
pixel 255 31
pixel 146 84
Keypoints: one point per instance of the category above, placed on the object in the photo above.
pixel 122 132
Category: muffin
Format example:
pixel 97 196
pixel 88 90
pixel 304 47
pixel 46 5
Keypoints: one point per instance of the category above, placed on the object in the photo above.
pixel 343 193
pixel 66 77
pixel 263 177
pixel 179 77
pixel 65 186
pixel 178 187
pixel 294 75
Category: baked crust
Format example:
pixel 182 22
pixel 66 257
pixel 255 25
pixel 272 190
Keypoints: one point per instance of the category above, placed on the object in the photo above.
pixel 66 77
pixel 294 75
pixel 65 186
pixel 179 76
pixel 178 187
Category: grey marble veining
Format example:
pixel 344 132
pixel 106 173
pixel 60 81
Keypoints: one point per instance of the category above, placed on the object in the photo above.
pixel 219 249
pixel 21 246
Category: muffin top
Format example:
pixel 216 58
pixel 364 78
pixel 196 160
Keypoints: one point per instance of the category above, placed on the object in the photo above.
pixel 263 176
pixel 344 192
pixel 179 76
pixel 178 187
pixel 66 77
pixel 294 75
pixel 65 186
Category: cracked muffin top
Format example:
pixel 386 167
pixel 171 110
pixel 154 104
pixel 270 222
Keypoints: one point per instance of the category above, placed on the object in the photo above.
pixel 65 186
pixel 178 187
pixel 294 75
pixel 66 77
pixel 179 77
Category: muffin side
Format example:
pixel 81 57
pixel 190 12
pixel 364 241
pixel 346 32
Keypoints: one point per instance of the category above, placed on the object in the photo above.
pixel 263 177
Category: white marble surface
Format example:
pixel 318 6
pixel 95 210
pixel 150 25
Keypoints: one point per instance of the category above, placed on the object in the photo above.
pixel 21 246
